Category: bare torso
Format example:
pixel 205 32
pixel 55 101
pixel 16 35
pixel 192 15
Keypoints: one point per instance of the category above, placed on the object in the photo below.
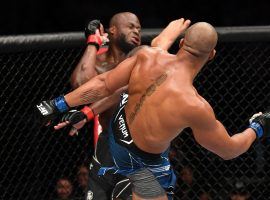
pixel 159 95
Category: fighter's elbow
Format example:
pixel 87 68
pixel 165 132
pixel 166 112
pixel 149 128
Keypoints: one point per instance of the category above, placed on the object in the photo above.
pixel 224 153
pixel 226 157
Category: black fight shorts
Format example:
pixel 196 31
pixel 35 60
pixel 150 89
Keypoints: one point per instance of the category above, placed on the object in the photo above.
pixel 108 186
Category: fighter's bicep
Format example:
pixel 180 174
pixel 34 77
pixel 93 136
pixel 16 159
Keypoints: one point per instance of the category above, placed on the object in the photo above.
pixel 120 75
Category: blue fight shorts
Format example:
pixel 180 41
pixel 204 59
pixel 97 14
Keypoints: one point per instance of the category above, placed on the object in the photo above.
pixel 129 159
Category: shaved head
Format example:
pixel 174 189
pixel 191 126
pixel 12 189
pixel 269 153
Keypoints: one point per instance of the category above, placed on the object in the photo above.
pixel 200 39
pixel 120 17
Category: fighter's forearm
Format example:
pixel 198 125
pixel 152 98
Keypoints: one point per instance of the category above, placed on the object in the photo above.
pixel 240 143
pixel 107 102
pixel 90 92
pixel 237 144
pixel 85 69
pixel 169 35
pixel 162 42
pixel 218 141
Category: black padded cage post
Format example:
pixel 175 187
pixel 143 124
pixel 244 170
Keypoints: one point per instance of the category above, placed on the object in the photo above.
pixel 33 158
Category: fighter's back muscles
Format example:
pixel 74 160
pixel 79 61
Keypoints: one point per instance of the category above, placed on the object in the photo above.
pixel 212 135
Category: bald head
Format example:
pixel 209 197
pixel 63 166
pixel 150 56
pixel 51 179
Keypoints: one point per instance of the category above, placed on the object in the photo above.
pixel 120 17
pixel 200 39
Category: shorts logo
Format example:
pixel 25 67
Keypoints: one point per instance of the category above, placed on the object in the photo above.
pixel 122 126
pixel 124 131
pixel 90 195
pixel 124 99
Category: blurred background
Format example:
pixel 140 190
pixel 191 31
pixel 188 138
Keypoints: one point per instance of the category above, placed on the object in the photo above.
pixel 32 16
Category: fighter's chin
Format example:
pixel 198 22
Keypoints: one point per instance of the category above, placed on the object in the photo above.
pixel 128 46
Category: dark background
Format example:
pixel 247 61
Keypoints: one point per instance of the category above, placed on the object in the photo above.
pixel 47 16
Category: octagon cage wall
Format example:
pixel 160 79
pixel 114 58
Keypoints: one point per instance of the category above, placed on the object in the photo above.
pixel 38 67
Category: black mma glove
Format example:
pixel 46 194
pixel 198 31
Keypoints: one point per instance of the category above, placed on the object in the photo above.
pixel 90 34
pixel 75 116
pixel 48 110
pixel 260 123
pixel 91 28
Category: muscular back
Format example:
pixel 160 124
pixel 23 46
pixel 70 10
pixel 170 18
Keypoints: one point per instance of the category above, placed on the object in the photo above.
pixel 158 100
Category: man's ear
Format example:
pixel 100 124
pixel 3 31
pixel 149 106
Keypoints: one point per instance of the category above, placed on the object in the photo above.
pixel 112 30
pixel 212 54
pixel 181 43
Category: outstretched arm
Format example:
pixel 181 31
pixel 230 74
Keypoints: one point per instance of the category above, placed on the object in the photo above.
pixel 97 88
pixel 102 85
pixel 212 135
pixel 168 36
pixel 107 102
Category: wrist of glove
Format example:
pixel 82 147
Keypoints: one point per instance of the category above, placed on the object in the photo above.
pixel 50 109
pixel 91 33
pixel 88 112
pixel 260 123
pixel 95 40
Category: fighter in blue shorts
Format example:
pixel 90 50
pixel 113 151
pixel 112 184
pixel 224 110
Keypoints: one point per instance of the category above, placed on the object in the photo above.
pixel 142 168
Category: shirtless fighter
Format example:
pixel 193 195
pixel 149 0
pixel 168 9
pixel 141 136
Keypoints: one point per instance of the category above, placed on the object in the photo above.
pixel 162 101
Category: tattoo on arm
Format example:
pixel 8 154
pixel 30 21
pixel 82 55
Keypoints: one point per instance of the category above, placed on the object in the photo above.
pixel 149 91
pixel 90 96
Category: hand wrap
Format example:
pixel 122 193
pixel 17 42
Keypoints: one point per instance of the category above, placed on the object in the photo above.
pixel 260 123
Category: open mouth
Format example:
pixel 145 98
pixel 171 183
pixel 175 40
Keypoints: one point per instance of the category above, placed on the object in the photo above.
pixel 135 40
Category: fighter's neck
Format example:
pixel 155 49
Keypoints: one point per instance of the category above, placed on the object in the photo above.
pixel 191 64
pixel 115 54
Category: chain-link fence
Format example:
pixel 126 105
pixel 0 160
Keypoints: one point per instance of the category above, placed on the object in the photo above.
pixel 33 158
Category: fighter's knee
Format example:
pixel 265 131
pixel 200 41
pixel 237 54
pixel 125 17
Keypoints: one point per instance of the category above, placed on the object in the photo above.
pixel 145 186
pixel 136 197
